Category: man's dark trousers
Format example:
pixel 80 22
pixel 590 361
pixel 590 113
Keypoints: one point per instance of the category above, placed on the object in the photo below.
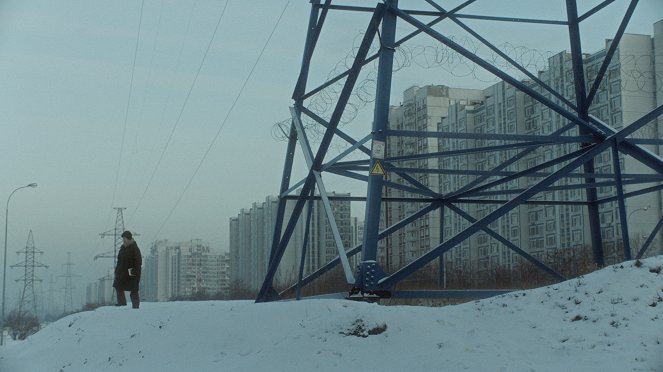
pixel 122 299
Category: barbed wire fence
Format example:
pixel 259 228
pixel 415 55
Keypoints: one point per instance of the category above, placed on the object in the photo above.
pixel 636 70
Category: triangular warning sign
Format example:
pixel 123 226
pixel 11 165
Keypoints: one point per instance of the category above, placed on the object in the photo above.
pixel 378 169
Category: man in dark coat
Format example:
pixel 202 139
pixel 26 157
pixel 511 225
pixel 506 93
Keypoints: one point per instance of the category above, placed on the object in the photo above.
pixel 127 271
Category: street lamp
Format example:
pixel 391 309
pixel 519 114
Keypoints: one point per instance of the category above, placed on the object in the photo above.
pixel 639 209
pixel 627 255
pixel 4 270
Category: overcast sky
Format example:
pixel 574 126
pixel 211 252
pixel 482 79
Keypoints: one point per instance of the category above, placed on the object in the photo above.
pixel 100 121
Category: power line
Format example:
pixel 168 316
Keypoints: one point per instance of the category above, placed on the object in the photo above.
pixel 150 68
pixel 179 116
pixel 141 110
pixel 170 86
pixel 126 113
pixel 225 119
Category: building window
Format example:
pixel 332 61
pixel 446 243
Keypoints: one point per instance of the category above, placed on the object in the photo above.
pixel 615 87
pixel 550 240
pixel 534 216
pixel 616 103
pixel 613 73
pixel 536 243
pixel 616 120
pixel 550 211
pixel 607 233
pixel 536 229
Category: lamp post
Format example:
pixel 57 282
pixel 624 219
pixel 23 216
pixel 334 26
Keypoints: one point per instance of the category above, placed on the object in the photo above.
pixel 4 270
pixel 628 219
pixel 639 209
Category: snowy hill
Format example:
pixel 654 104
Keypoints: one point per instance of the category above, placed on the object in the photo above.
pixel 610 320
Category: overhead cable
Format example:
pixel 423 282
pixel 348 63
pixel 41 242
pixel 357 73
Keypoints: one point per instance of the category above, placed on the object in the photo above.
pixel 182 108
pixel 223 123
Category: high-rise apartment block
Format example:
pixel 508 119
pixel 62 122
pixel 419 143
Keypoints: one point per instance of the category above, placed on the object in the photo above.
pixel 184 270
pixel 421 110
pixel 632 87
pixel 248 236
pixel 251 234
pixel 500 111
pixel 101 291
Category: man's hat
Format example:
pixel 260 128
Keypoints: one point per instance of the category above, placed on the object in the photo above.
pixel 127 234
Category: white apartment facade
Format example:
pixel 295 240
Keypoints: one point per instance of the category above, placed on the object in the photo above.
pixel 184 270
pixel 540 230
pixel 251 234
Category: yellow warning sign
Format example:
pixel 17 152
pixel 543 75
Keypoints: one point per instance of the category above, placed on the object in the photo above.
pixel 378 169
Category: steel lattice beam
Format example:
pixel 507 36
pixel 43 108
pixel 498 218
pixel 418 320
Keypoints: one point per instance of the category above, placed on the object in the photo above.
pixel 595 137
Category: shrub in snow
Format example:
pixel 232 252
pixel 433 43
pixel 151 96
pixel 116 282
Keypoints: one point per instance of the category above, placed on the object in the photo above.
pixel 359 329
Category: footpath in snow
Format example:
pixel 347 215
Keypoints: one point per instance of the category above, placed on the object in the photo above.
pixel 610 320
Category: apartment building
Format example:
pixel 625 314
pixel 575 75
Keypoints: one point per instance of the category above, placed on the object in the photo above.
pixel 184 270
pixel 251 233
pixel 631 88
pixel 501 111
pixel 421 110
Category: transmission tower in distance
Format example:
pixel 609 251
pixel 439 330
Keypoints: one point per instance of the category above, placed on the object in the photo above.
pixel 27 300
pixel 68 286
pixel 116 233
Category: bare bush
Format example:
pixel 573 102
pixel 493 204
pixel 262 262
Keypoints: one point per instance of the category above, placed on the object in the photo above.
pixel 21 325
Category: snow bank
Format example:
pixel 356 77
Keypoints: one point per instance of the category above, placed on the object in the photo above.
pixel 610 320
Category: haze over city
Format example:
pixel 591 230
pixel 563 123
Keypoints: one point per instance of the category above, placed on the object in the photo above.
pixel 167 109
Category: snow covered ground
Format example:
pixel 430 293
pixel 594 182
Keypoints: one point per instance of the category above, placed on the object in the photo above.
pixel 610 320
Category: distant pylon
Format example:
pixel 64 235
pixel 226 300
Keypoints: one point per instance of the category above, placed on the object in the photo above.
pixel 116 233
pixel 68 287
pixel 27 301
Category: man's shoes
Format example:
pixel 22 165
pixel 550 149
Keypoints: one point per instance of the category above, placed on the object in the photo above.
pixel 120 305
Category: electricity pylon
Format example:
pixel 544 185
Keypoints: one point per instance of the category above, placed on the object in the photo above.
pixel 68 286
pixel 27 301
pixel 116 233
pixel 570 169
